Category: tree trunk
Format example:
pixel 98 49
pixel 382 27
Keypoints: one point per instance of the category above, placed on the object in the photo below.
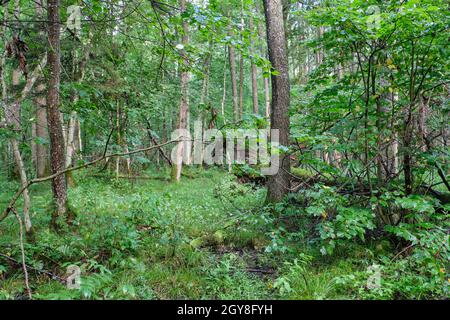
pixel 422 121
pixel 184 103
pixel 234 90
pixel 12 116
pixel 57 157
pixel 278 184
pixel 254 70
pixel 241 67
pixel 224 95
pixel 42 160
pixel 265 79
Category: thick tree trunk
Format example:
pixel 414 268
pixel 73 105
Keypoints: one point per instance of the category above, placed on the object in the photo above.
pixel 42 163
pixel 184 103
pixel 59 186
pixel 278 184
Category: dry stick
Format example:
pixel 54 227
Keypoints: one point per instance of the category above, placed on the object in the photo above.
pixel 155 142
pixel 402 251
pixel 50 177
pixel 46 272
pixel 22 250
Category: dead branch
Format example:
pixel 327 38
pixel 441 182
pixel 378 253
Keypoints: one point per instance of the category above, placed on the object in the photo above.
pixel 85 165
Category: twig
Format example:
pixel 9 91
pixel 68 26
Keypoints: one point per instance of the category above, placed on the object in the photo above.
pixel 402 251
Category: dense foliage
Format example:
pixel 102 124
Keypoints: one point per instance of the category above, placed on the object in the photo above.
pixel 365 213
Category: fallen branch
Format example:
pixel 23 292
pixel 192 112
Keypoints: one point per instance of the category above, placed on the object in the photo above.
pixel 155 142
pixel 128 177
pixel 57 174
pixel 46 272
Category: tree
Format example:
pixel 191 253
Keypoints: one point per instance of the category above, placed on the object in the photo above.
pixel 260 28
pixel 57 156
pixel 13 110
pixel 254 72
pixel 234 89
pixel 41 160
pixel 278 184
pixel 184 101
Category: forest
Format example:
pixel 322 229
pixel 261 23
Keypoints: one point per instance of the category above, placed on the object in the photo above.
pixel 224 149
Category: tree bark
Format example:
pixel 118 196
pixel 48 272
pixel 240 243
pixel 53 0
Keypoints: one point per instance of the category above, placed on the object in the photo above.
pixel 278 184
pixel 42 163
pixel 224 95
pixel 42 160
pixel 234 90
pixel 57 157
pixel 241 67
pixel 254 71
pixel 265 79
pixel 184 103
pixel 422 122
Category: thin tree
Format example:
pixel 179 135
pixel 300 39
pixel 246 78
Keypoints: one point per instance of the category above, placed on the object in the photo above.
pixel 260 28
pixel 254 71
pixel 241 66
pixel 234 90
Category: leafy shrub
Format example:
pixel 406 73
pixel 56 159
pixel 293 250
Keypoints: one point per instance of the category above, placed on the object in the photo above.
pixel 420 269
pixel 339 221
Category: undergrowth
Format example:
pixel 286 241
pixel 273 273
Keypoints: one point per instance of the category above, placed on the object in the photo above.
pixel 210 237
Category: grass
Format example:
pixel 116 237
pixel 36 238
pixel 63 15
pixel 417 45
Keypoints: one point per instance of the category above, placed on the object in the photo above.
pixel 153 239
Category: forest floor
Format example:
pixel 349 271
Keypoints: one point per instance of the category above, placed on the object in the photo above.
pixel 207 237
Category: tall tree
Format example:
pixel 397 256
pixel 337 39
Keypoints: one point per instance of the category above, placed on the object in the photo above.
pixel 260 28
pixel 184 102
pixel 241 66
pixel 57 156
pixel 234 90
pixel 279 184
pixel 13 110
pixel 42 159
pixel 254 71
